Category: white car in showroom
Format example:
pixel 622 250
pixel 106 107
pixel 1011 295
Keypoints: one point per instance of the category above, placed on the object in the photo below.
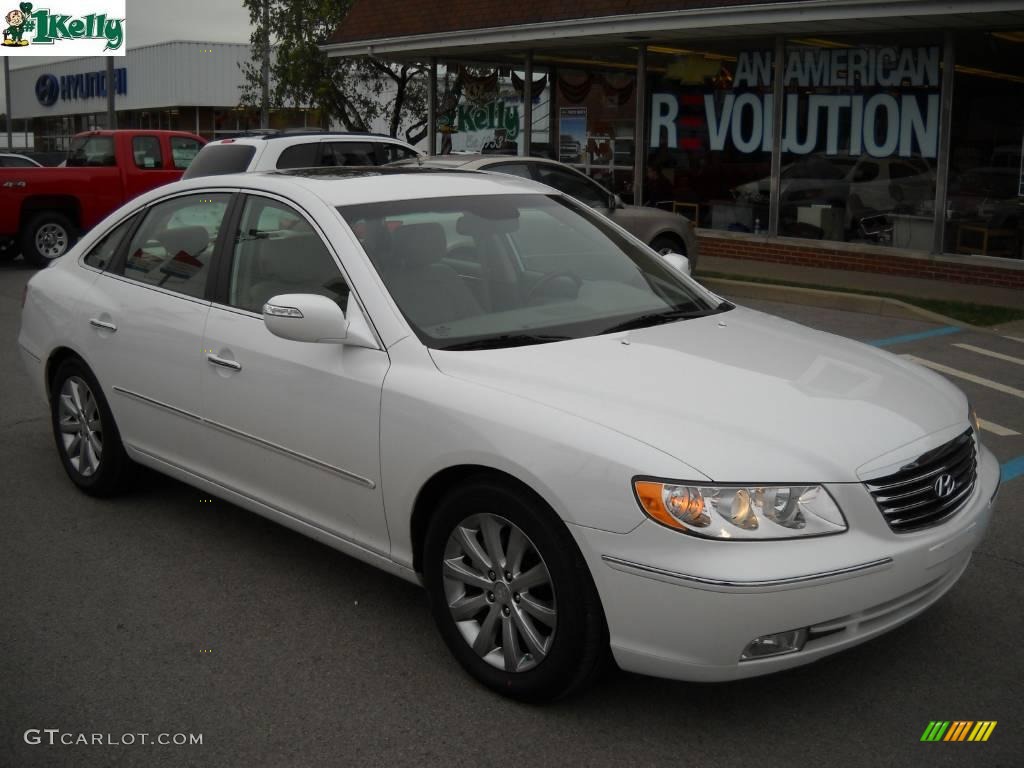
pixel 575 447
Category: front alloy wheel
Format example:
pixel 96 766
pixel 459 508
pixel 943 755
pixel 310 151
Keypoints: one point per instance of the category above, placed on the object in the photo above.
pixel 499 593
pixel 510 591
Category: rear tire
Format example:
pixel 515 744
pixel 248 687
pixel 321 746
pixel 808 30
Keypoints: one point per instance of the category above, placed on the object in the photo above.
pixel 47 236
pixel 511 593
pixel 87 438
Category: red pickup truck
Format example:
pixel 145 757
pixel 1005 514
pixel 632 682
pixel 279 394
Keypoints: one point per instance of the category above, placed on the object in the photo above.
pixel 43 210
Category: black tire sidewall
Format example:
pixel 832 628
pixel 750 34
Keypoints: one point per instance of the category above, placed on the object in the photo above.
pixel 112 463
pixel 28 237
pixel 577 630
pixel 669 241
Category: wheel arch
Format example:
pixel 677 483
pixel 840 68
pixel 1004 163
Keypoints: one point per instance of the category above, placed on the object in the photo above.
pixel 673 235
pixel 66 205
pixel 434 489
pixel 58 356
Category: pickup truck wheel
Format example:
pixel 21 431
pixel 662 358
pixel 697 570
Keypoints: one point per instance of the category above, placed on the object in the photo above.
pixel 47 236
pixel 8 248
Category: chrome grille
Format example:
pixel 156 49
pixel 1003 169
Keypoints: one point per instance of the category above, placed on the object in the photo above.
pixel 930 489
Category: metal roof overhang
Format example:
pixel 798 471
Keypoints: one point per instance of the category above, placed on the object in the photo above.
pixel 815 17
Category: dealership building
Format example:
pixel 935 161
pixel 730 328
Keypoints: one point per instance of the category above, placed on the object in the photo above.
pixel 182 85
pixel 873 135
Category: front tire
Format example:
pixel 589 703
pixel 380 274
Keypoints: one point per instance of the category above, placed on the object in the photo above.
pixel 47 236
pixel 511 594
pixel 83 427
pixel 668 244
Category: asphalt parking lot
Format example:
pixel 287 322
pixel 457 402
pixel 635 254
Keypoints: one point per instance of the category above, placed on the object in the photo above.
pixel 160 612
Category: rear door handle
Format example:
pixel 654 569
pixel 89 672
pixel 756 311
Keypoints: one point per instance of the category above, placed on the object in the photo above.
pixel 232 364
pixel 102 324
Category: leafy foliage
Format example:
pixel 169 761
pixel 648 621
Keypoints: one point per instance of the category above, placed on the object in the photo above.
pixel 352 91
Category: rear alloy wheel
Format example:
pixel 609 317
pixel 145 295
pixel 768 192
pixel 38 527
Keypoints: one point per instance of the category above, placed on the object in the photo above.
pixel 511 594
pixel 84 430
pixel 47 236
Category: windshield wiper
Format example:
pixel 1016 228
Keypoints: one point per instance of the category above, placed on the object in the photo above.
pixel 505 340
pixel 666 316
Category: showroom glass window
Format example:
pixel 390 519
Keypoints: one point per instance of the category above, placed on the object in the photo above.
pixel 709 143
pixel 986 180
pixel 596 114
pixel 860 139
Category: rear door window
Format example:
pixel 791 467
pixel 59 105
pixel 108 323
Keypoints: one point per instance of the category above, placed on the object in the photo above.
pixel 146 150
pixel 184 151
pixel 394 152
pixel 348 153
pixel 101 254
pixel 91 151
pixel 299 156
pixel 173 247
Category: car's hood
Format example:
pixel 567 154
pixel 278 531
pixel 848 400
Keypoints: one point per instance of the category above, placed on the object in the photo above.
pixel 740 396
pixel 641 213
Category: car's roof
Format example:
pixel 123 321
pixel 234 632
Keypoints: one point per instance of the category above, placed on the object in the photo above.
pixel 479 160
pixel 147 131
pixel 350 185
pixel 302 137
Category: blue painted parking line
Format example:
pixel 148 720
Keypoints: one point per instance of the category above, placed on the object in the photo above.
pixel 1013 468
pixel 944 331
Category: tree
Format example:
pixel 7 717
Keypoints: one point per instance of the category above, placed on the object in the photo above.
pixel 352 91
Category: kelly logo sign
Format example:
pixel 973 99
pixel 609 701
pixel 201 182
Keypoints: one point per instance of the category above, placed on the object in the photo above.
pixel 72 28
pixel 883 102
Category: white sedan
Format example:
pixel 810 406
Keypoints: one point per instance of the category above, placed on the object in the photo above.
pixel 481 385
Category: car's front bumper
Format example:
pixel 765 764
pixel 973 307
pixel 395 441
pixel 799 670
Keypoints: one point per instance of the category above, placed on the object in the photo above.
pixel 685 608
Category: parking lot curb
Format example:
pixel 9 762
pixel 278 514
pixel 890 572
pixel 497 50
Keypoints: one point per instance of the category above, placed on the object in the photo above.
pixel 850 302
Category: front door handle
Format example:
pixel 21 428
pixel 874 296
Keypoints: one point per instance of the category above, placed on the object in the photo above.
pixel 95 323
pixel 232 364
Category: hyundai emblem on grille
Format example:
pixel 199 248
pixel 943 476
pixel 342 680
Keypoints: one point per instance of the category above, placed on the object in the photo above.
pixel 945 485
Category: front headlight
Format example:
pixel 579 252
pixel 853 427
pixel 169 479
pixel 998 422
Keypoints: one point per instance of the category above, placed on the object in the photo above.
pixel 741 511
pixel 972 416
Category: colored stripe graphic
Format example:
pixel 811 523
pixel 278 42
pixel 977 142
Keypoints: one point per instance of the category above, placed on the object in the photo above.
pixel 958 730
pixel 982 730
pixel 944 331
pixel 935 730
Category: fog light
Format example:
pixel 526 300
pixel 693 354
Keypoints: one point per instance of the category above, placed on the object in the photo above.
pixel 774 645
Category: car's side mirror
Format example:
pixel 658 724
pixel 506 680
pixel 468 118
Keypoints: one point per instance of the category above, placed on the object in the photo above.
pixel 615 202
pixel 677 261
pixel 312 318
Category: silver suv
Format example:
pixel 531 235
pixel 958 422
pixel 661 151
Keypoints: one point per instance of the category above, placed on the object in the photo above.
pixel 297 149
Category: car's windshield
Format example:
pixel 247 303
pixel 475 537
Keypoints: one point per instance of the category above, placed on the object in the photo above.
pixel 505 270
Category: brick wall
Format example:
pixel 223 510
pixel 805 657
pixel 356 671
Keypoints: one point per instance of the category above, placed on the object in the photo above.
pixel 880 260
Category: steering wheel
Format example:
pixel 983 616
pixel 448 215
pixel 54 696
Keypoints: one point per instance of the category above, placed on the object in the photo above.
pixel 548 278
